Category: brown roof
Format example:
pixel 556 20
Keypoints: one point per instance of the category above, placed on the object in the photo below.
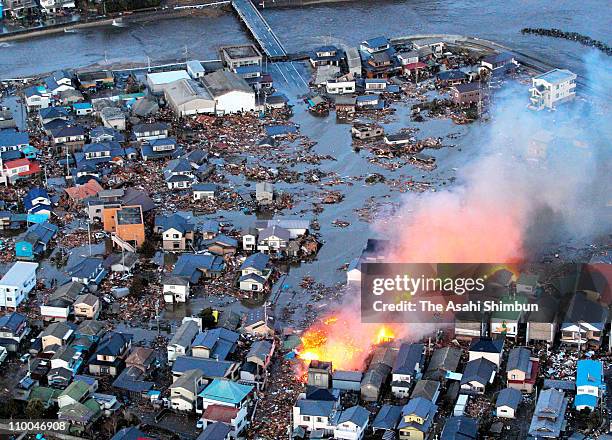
pixel 139 356
pixel 84 191
pixel 220 413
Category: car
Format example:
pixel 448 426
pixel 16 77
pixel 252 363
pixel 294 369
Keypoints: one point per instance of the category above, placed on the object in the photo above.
pixel 200 424
pixel 100 235
pixel 25 358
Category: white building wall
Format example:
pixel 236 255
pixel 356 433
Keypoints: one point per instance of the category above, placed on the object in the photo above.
pixel 236 101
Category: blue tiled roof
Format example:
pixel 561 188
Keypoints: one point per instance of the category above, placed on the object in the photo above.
pixel 257 261
pixel 210 368
pixel 13 138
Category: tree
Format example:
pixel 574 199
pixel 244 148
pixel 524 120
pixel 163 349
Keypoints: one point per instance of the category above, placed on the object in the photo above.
pixel 35 409
pixel 208 318
pixel 148 249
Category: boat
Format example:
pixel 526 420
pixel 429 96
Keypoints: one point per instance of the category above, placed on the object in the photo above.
pixel 69 30
pixel 118 22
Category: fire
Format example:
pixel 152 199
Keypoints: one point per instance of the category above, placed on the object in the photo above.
pixel 342 340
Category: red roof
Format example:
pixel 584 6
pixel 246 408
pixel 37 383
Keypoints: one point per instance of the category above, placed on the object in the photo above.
pixel 16 163
pixel 34 168
pixel 417 65
pixel 533 374
pixel 220 413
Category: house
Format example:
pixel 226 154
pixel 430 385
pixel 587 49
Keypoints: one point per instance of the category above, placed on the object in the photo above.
pixel 95 79
pixel 13 140
pixel 109 358
pixel 254 272
pixel 88 271
pixel 451 77
pixel 552 88
pixel 345 105
pixel 90 330
pixel 142 358
pixel 81 192
pixel 258 323
pixel 506 323
pixel 195 69
pixel 159 148
pixel 340 86
pixel 13 328
pixel 429 389
pixel 241 55
pixel 193 267
pixel 417 419
pixel 351 423
pixel 37 97
pixel 477 375
pixel 491 349
pixel 35 241
pixel 264 193
pixel 211 369
pixel 319 374
pixel 185 389
pixel 260 354
pixel 296 226
pixel 221 245
pixel 87 306
pixel 76 392
pixel 180 344
pixel 387 419
pixel 374 45
pixel 80 415
pixel 178 231
pixel 590 385
pixel 175 289
pixel 113 117
pixel 149 132
pixel 522 369
pixel 507 403
pixel 14 170
pixel 37 201
pixel 59 305
pixel 377 374
pixel 273 239
pixel 130 433
pixel 217 343
pixel 466 94
pixel 549 415
pixel 367 131
pixel 17 283
pixel 82 108
pixel 57 334
pixel 584 321
pixel 443 361
pixel 158 81
pixel 325 55
pixel 460 428
pixel 132 385
pixel 527 284
pixel 178 174
pixel 68 134
pixel 204 191
pixel 224 392
pixel 499 64
pixel 542 324
pixel 124 262
pixel 216 431
pixel 230 92
pixel 313 415
pixel 407 368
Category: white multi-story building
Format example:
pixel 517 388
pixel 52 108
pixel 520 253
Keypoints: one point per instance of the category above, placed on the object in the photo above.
pixel 17 283
pixel 552 88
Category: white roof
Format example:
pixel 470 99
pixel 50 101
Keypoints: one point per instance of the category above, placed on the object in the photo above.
pixel 167 77
pixel 18 273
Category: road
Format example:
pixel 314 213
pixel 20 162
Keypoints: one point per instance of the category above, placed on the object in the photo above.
pixel 260 29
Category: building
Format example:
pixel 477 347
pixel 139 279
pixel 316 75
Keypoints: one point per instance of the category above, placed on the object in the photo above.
pixel 340 86
pixel 109 358
pixel 552 88
pixel 466 94
pixel 386 420
pixel 180 344
pixel 231 93
pixel 264 193
pixel 187 97
pixel 113 117
pixel 59 305
pixel 195 69
pixel 351 423
pixel 175 289
pixel 96 79
pixel 185 389
pixel 56 335
pixel 88 271
pixel 204 191
pixel 549 415
pixel 499 64
pixel 125 223
pixel 158 81
pixel 460 428
pixel 13 328
pixel 217 343
pixel 491 349
pixel 150 131
pixel 241 55
pixel 584 321
pixel 35 241
pixel 477 375
pixel 407 368
pixel 543 324
pixel 227 393
pixel 417 419
pixel 17 283
pixel 507 403
pixel 313 415
pixel 443 360
pixel 86 306
pixel 429 389
pixel 522 369
pixel 590 384
pixel 367 131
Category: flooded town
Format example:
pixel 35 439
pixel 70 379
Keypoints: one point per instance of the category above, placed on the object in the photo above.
pixel 195 196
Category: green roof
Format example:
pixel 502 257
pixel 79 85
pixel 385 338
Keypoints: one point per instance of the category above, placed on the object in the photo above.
pixel 44 394
pixel 227 391
pixel 76 390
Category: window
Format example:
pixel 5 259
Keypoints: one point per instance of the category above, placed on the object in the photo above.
pixel 306 418
pixel 176 245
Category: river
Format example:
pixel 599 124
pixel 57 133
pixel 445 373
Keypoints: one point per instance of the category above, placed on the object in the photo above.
pixel 303 28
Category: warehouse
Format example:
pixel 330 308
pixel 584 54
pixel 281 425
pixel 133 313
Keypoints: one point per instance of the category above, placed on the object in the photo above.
pixel 157 82
pixel 187 97
pixel 231 93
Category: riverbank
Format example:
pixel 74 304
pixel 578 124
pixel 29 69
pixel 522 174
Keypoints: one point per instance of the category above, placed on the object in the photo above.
pixel 135 17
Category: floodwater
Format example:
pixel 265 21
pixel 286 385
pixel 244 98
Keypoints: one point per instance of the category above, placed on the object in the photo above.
pixel 302 28
pixel 340 24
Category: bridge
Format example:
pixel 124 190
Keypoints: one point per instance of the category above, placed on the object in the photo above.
pixel 260 29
